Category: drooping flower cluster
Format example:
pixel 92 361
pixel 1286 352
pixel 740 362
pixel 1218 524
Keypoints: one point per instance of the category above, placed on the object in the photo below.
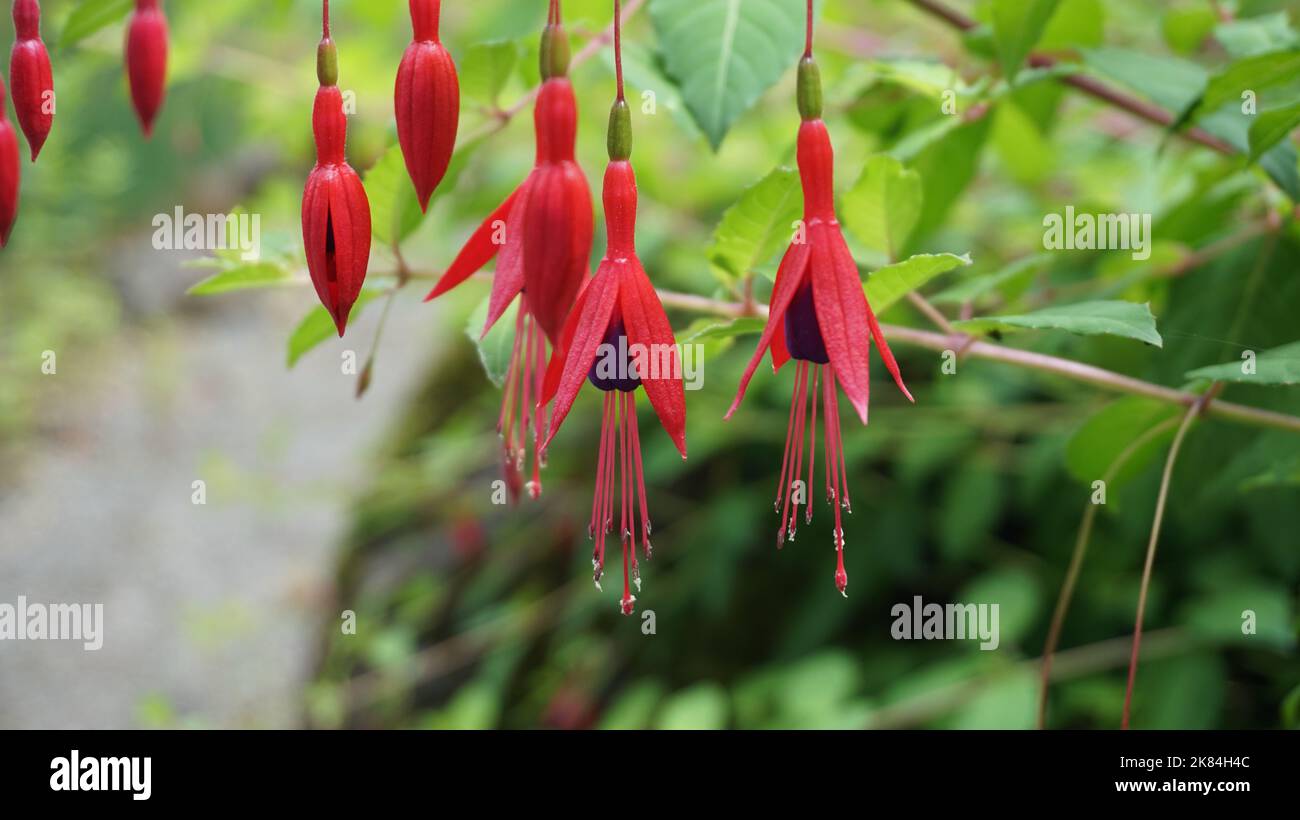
pixel 541 237
pixel 818 316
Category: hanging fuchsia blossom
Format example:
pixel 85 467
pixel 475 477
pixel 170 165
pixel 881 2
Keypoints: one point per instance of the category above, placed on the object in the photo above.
pixel 336 225
pixel 820 317
pixel 543 233
pixel 618 338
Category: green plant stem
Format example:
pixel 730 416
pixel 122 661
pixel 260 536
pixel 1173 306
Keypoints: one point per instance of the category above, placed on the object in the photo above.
pixel 1076 564
pixel 1165 479
pixel 1076 371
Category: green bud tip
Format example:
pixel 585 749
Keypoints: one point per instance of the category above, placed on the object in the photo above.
pixel 555 52
pixel 327 63
pixel 810 89
pixel 620 131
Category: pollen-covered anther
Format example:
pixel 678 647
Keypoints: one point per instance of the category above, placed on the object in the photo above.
pixel 628 604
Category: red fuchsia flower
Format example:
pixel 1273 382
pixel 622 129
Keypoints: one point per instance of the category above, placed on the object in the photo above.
pixel 543 232
pixel 820 317
pixel 31 76
pixel 427 102
pixel 10 172
pixel 618 338
pixel 335 210
pixel 146 60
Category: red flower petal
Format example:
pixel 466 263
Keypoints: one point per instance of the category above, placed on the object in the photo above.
pixel 842 312
pixel 788 278
pixel 589 323
pixel 780 355
pixel 508 280
pixel 647 326
pixel 478 251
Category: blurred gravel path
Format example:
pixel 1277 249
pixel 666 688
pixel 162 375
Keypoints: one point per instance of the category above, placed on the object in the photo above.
pixel 212 612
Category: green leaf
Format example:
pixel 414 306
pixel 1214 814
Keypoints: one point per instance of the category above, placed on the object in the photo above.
pixel 1279 366
pixel 1271 127
pixel 486 69
pixel 495 348
pixel 887 285
pixel 244 277
pixel 759 224
pixel 1127 319
pixel 727 330
pixel 1017 27
pixel 1075 23
pixel 884 205
pixel 318 326
pixel 1256 35
pixel 1169 82
pixel 1013 275
pixel 1185 29
pixel 724 54
pixel 90 16
pixel 1108 435
pixel 1255 74
pixel 394 206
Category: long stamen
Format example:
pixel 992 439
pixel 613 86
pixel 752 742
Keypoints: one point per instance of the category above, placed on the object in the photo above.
pixel 781 485
pixel 796 405
pixel 598 556
pixel 812 448
pixel 800 425
pixel 607 514
pixel 640 477
pixel 539 343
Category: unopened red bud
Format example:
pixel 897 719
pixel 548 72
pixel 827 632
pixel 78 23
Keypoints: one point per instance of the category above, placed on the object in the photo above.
pixel 31 76
pixel 10 172
pixel 146 61
pixel 427 102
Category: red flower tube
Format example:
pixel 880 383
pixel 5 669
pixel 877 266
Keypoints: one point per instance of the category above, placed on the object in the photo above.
pixel 543 232
pixel 427 102
pixel 618 338
pixel 820 317
pixel 146 61
pixel 10 172
pixel 30 76
pixel 335 210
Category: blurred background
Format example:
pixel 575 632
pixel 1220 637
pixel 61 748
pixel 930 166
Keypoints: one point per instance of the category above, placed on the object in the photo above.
pixel 468 614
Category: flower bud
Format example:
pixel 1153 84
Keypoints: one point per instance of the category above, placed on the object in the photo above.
pixel 10 172
pixel 146 61
pixel 31 76
pixel 427 103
